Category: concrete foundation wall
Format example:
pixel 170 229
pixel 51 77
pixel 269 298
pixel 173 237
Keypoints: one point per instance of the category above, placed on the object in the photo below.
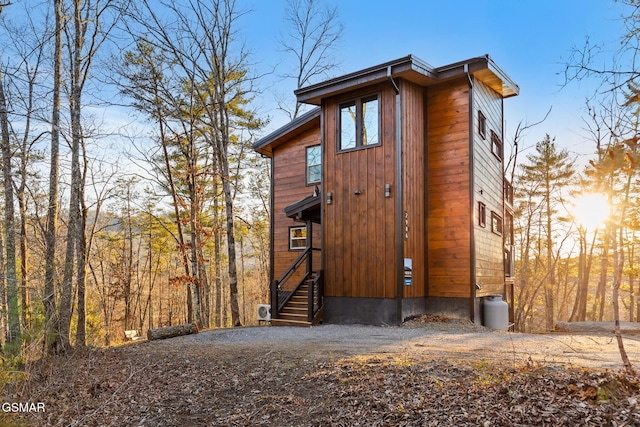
pixel 384 311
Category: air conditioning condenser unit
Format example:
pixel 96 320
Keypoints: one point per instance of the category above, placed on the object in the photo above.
pixel 264 312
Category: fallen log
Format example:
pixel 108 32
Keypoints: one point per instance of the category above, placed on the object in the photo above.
pixel 171 331
pixel 632 328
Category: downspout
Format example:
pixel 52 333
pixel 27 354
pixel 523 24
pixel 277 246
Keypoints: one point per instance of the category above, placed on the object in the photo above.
pixel 272 294
pixel 323 199
pixel 399 222
pixel 472 242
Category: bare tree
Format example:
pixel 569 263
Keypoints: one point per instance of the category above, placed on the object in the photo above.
pixel 313 34
pixel 89 28
pixel 200 39
pixel 9 219
pixel 54 172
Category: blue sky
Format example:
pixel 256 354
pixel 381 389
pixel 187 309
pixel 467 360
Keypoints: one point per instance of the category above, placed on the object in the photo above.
pixel 529 40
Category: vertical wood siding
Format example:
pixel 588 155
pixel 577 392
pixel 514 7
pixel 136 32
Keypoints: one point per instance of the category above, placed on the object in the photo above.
pixel 448 204
pixel 488 179
pixel 359 230
pixel 289 187
pixel 414 185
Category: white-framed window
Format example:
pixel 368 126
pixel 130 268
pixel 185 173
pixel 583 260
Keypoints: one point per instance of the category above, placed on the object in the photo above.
pixel 314 164
pixel 297 238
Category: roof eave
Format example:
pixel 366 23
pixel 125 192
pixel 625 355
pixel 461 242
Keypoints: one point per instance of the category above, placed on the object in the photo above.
pixel 486 69
pixel 409 67
pixel 415 70
pixel 265 145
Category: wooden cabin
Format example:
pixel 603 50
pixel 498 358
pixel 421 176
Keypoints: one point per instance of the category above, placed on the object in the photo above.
pixel 388 198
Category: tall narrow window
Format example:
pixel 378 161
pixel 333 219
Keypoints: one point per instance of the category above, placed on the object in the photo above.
pixel 348 126
pixel 359 123
pixel 508 230
pixel 314 164
pixel 482 214
pixel 496 145
pixel 297 238
pixel 482 125
pixel 370 121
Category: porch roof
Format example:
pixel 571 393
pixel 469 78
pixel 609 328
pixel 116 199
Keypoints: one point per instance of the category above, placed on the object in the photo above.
pixel 307 209
pixel 415 70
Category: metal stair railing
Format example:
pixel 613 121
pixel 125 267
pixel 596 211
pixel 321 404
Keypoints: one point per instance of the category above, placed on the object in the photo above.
pixel 280 295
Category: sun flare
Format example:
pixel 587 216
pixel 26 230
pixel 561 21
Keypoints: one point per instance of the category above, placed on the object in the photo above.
pixel 591 209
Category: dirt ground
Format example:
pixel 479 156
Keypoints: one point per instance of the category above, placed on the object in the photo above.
pixel 430 371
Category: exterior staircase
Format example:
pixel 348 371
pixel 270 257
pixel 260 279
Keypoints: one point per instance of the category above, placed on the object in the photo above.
pixel 296 311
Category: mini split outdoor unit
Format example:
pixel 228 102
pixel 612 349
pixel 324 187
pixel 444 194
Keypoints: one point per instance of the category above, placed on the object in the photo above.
pixel 264 312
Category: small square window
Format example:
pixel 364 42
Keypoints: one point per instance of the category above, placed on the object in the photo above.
pixel 496 145
pixel 314 164
pixel 297 238
pixel 496 223
pixel 482 214
pixel 482 125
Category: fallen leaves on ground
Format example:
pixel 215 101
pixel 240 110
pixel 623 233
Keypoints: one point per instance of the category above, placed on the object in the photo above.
pixel 170 384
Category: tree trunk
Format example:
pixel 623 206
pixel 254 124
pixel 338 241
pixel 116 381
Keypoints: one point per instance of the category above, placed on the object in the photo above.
pixel 231 245
pixel 82 256
pixel 4 331
pixel 217 254
pixel 74 230
pixel 598 302
pixel 10 228
pixel 550 286
pixel 618 260
pixel 52 210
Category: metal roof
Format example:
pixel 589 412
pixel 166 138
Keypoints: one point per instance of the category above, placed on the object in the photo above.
pixel 288 131
pixel 413 69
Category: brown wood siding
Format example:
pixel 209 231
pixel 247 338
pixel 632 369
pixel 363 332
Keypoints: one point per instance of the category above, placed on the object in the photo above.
pixel 448 204
pixel 359 230
pixel 489 190
pixel 289 187
pixel 413 185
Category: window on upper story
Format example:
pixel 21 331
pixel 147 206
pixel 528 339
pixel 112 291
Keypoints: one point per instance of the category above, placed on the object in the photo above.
pixel 359 123
pixel 482 214
pixel 496 145
pixel 508 230
pixel 482 125
pixel 297 238
pixel 314 164
pixel 496 223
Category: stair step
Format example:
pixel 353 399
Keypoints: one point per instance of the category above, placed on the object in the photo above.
pixel 296 304
pixel 284 322
pixel 294 310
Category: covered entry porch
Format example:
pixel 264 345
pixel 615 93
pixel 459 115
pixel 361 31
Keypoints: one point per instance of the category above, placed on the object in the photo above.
pixel 297 295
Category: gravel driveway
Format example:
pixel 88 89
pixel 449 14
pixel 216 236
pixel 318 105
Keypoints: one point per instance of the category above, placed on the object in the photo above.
pixel 458 339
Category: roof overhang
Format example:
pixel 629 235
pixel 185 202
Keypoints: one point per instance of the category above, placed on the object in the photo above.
pixel 307 209
pixel 300 124
pixel 415 70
